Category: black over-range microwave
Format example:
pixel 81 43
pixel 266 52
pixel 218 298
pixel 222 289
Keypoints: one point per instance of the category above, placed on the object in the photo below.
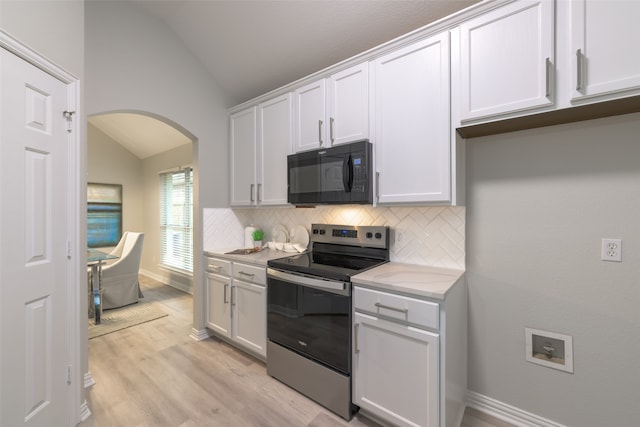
pixel 337 175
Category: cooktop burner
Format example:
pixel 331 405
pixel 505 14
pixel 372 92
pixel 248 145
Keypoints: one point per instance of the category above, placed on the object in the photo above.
pixel 339 252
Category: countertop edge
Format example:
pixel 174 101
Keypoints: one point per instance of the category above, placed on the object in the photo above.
pixel 387 278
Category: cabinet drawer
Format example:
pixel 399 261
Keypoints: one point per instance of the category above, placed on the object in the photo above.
pixel 250 273
pixel 218 266
pixel 398 307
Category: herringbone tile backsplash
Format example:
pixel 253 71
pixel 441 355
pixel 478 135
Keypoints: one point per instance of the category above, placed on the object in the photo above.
pixel 419 235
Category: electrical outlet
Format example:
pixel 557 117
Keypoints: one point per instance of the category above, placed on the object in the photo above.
pixel 611 250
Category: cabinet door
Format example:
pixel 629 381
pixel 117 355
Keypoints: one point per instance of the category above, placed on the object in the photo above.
pixel 507 58
pixel 274 142
pixel 250 316
pixel 349 105
pixel 412 134
pixel 243 157
pixel 218 304
pixel 396 372
pixel 310 116
pixel 604 46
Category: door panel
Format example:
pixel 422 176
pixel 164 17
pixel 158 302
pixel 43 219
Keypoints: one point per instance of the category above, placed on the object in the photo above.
pixel 33 228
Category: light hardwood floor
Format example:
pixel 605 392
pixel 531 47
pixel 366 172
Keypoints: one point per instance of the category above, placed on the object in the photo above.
pixel 154 374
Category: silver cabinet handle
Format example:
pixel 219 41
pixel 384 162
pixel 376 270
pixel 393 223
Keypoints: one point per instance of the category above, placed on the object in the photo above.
pixel 258 192
pixel 356 327
pixel 331 129
pixel 579 65
pixel 242 273
pixel 226 301
pixel 320 131
pixel 399 310
pixel 548 70
pixel 251 193
pixel 378 186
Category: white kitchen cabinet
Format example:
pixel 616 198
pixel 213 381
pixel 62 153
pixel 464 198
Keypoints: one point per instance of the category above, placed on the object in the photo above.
pixel 218 304
pixel 604 49
pixel 348 93
pixel 507 60
pixel 396 371
pixel 250 315
pixel 237 304
pixel 410 345
pixel 412 123
pixel 260 142
pixel 275 130
pixel 243 157
pixel 332 111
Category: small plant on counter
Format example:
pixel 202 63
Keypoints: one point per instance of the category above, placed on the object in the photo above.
pixel 257 235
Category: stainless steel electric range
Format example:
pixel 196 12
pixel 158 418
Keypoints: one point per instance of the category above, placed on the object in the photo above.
pixel 309 324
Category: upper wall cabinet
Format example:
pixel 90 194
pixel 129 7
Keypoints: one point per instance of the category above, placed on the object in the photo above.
pixel 507 60
pixel 332 111
pixel 243 157
pixel 604 43
pixel 260 143
pixel 275 129
pixel 412 124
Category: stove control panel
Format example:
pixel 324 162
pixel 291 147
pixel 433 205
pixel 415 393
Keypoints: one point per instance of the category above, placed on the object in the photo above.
pixel 365 236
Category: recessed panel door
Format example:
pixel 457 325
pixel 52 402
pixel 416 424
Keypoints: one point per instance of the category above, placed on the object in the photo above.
pixel 34 273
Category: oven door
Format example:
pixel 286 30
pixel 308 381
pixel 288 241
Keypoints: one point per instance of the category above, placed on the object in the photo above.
pixel 310 316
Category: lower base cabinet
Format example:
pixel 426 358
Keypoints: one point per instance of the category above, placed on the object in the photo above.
pixel 408 353
pixel 396 371
pixel 249 316
pixel 237 304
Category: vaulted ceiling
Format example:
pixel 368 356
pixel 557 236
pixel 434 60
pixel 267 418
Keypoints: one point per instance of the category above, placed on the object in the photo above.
pixel 251 47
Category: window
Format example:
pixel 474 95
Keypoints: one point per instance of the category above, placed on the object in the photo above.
pixel 104 214
pixel 176 220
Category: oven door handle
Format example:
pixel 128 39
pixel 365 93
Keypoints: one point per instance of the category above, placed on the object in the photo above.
pixel 333 286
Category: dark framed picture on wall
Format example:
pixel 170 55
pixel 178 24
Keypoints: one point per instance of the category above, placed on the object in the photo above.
pixel 104 214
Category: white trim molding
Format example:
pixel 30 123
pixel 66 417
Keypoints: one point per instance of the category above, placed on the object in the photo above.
pixel 199 335
pixel 508 413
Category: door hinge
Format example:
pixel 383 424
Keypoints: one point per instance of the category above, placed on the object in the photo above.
pixel 69 375
pixel 69 116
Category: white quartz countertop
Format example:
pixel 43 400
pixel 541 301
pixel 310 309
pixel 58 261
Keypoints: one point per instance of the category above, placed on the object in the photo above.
pixel 257 258
pixel 416 280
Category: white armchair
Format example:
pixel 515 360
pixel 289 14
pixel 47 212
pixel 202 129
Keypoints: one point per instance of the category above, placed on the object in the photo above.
pixel 120 284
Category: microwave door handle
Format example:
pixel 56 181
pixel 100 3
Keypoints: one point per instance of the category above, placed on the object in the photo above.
pixel 347 174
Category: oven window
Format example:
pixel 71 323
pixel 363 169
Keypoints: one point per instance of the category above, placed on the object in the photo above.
pixel 312 322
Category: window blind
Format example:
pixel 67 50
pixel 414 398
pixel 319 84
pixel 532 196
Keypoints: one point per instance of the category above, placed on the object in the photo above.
pixel 176 220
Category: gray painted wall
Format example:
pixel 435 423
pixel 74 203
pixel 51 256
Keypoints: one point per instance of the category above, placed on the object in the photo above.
pixel 110 163
pixel 538 203
pixel 55 29
pixel 136 63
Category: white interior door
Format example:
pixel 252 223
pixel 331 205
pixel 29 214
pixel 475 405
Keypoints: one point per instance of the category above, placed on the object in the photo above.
pixel 34 277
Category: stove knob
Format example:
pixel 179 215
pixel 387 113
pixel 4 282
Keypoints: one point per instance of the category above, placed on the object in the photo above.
pixel 315 231
pixel 378 235
pixel 369 235
pixel 322 232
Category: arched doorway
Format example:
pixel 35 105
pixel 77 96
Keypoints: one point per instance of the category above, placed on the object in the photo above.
pixel 132 148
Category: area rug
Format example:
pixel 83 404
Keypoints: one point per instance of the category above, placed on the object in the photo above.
pixel 120 318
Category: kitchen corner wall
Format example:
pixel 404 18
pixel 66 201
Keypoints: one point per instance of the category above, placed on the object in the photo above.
pixel 419 235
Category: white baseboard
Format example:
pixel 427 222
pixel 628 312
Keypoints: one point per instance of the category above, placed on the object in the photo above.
pixel 507 413
pixel 85 413
pixel 199 335
pixel 88 380
pixel 167 281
